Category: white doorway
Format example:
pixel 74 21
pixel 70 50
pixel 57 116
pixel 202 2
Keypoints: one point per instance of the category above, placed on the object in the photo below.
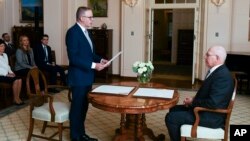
pixel 173 29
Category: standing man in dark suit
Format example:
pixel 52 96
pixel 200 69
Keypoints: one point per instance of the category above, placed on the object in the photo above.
pixel 43 58
pixel 9 47
pixel 82 63
pixel 215 92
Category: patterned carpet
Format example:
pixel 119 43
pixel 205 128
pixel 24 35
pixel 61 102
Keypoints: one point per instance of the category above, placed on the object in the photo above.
pixel 100 124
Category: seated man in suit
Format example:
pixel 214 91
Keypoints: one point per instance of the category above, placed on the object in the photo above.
pixel 9 47
pixel 215 92
pixel 43 58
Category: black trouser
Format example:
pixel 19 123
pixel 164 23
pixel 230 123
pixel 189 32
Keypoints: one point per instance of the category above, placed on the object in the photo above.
pixel 78 110
pixel 53 70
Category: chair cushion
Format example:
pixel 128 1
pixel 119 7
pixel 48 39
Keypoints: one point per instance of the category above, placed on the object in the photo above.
pixel 43 113
pixel 203 132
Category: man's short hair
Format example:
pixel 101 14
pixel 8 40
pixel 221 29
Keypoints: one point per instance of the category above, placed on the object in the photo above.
pixel 4 34
pixel 81 11
pixel 44 35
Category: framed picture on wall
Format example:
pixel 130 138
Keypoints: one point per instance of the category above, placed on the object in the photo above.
pixel 99 7
pixel 31 9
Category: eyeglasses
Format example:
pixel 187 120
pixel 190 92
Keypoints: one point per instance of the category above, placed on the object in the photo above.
pixel 90 17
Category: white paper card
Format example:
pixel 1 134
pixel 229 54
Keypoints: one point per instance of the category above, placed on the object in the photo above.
pixel 119 53
pixel 151 92
pixel 111 89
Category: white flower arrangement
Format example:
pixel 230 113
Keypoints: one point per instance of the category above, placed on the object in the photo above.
pixel 143 70
pixel 142 67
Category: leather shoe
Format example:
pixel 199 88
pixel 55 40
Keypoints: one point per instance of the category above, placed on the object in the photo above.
pixel 87 138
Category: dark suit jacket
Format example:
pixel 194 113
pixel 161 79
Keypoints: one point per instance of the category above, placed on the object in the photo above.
pixel 10 50
pixel 215 92
pixel 80 58
pixel 39 55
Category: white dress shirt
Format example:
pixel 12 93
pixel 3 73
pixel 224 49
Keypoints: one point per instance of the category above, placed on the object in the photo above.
pixel 4 65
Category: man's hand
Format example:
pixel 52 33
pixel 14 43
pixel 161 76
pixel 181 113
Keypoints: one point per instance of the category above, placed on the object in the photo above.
pixel 99 66
pixel 104 61
pixel 188 101
pixel 33 67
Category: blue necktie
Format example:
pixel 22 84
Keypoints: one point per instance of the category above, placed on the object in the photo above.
pixel 89 40
pixel 46 53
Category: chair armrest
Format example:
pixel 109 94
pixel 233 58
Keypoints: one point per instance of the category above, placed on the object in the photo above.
pixel 197 117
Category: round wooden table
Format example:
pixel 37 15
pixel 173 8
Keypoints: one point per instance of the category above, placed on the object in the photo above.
pixel 133 120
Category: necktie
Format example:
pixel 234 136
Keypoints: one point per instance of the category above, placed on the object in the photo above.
pixel 208 73
pixel 87 36
pixel 9 45
pixel 46 53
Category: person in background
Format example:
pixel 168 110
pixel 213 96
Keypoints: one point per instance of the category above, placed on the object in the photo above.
pixel 24 57
pixel 7 75
pixel 43 59
pixel 82 63
pixel 9 47
pixel 215 92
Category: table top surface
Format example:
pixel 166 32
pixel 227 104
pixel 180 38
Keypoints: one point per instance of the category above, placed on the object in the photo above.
pixel 130 104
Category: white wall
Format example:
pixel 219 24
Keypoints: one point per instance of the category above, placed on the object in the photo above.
pixel 240 26
pixel 54 14
pixel 2 14
pixel 132 36
pixel 219 21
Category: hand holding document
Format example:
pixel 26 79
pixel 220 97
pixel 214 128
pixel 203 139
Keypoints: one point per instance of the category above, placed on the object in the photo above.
pixel 119 53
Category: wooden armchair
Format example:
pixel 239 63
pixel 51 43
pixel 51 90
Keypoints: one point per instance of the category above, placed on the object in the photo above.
pixel 43 107
pixel 196 131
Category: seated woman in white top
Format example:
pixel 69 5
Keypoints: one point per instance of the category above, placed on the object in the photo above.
pixel 7 75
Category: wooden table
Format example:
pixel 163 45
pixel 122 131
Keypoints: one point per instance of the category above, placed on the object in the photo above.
pixel 133 120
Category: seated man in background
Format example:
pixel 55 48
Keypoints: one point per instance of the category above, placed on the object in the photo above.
pixel 215 92
pixel 9 47
pixel 43 59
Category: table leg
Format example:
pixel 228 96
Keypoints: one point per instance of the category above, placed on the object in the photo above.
pixel 134 127
pixel 121 132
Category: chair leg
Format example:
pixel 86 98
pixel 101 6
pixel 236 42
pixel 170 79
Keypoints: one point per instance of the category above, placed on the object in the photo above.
pixel 183 138
pixel 60 129
pixel 44 126
pixel 30 129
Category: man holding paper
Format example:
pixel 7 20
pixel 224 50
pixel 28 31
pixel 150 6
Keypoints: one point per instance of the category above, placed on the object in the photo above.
pixel 82 63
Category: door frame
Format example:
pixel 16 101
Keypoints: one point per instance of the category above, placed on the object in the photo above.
pixel 149 29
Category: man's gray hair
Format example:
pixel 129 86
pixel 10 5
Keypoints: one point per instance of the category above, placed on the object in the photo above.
pixel 220 52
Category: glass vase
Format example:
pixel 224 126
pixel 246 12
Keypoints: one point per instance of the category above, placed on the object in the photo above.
pixel 144 77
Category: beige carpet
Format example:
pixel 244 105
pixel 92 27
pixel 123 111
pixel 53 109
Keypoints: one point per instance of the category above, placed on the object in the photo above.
pixel 101 124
